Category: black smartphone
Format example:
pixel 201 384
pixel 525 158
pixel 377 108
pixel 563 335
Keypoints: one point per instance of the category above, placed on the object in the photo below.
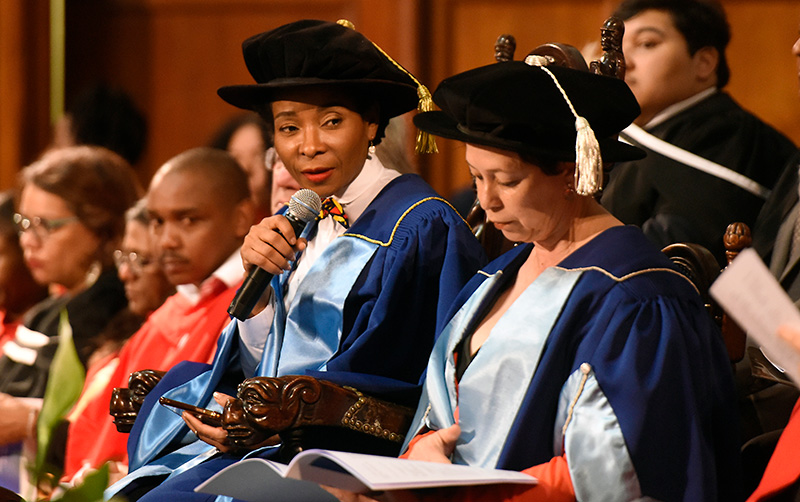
pixel 208 417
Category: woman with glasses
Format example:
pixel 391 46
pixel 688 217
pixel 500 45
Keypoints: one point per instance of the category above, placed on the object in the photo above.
pixel 18 291
pixel 146 287
pixel 70 219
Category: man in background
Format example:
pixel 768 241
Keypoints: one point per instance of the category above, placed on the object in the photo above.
pixel 200 210
pixel 709 162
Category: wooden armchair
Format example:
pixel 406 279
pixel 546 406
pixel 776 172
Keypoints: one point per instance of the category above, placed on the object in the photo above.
pixel 127 401
pixel 299 412
pixel 302 412
pixel 699 266
pixel 309 413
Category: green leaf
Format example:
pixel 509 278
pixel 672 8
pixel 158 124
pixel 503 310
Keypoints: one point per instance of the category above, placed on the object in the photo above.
pixel 91 490
pixel 64 385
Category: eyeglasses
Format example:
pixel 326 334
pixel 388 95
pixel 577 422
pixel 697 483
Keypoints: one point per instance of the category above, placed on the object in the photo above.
pixel 41 227
pixel 133 260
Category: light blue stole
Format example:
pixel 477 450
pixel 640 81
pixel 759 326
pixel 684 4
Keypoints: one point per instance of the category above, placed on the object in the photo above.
pixel 495 383
pixel 313 341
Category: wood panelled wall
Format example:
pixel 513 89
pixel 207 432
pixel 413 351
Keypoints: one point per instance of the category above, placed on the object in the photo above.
pixel 172 55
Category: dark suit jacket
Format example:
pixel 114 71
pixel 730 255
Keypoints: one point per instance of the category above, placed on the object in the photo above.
pixel 673 202
pixel 772 232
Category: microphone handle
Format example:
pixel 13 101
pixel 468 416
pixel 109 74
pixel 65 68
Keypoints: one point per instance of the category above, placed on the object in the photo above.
pixel 257 281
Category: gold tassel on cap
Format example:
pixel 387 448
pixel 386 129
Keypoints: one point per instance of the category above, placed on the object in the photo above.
pixel 588 161
pixel 346 23
pixel 425 142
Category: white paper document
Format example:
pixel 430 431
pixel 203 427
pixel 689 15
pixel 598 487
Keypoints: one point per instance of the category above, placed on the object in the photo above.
pixel 753 298
pixel 257 479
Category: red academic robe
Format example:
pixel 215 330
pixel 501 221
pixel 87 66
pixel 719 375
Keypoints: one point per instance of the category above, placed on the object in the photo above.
pixel 177 331
pixel 7 329
pixel 783 469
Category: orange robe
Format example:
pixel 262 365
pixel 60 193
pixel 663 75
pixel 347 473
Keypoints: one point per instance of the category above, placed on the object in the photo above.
pixel 177 331
pixel 555 484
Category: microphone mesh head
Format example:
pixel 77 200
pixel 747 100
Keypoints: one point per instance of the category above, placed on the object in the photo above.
pixel 305 205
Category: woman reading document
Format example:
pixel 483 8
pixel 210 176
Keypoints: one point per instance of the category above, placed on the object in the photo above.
pixel 581 357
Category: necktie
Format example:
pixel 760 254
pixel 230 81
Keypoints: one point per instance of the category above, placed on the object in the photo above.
pixel 331 207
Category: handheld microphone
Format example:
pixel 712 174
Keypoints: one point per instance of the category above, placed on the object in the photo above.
pixel 304 206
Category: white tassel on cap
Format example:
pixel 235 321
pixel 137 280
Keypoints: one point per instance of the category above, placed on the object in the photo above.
pixel 537 60
pixel 588 161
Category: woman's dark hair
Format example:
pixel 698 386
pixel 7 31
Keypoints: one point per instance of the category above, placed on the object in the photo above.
pixel 95 183
pixel 8 229
pixel 138 212
pixel 108 117
pixel 549 166
pixel 702 23
pixel 222 136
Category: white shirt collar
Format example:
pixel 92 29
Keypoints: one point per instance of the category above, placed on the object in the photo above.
pixel 678 107
pixel 369 182
pixel 230 272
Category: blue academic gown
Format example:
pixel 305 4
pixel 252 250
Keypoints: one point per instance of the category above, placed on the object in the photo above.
pixel 365 315
pixel 608 358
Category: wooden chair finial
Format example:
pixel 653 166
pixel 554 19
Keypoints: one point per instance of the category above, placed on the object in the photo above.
pixel 504 48
pixel 737 237
pixel 612 62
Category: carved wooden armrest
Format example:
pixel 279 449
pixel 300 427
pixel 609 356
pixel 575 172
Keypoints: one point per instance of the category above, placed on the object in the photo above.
pixel 737 237
pixel 127 401
pixel 301 407
pixel 700 267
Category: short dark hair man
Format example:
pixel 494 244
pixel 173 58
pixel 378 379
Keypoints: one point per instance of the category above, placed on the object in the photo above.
pixel 709 161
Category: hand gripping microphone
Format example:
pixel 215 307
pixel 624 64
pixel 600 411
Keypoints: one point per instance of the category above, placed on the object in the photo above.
pixel 304 206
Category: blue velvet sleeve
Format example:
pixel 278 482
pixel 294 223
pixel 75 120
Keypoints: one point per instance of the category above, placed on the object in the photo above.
pixel 664 368
pixel 659 361
pixel 400 301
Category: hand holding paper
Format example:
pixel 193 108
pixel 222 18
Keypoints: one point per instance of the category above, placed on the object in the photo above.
pixel 752 296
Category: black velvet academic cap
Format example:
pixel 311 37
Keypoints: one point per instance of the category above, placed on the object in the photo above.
pixel 518 107
pixel 309 53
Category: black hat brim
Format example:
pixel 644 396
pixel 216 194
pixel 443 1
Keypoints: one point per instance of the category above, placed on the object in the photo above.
pixel 439 123
pixel 393 97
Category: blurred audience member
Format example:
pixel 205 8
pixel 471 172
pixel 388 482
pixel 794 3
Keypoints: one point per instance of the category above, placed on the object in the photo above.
pixel 146 288
pixel 393 150
pixel 104 116
pixel 283 185
pixel 71 219
pixel 246 137
pixel 18 291
pixel 200 210
pixel 709 161
pixel 146 285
